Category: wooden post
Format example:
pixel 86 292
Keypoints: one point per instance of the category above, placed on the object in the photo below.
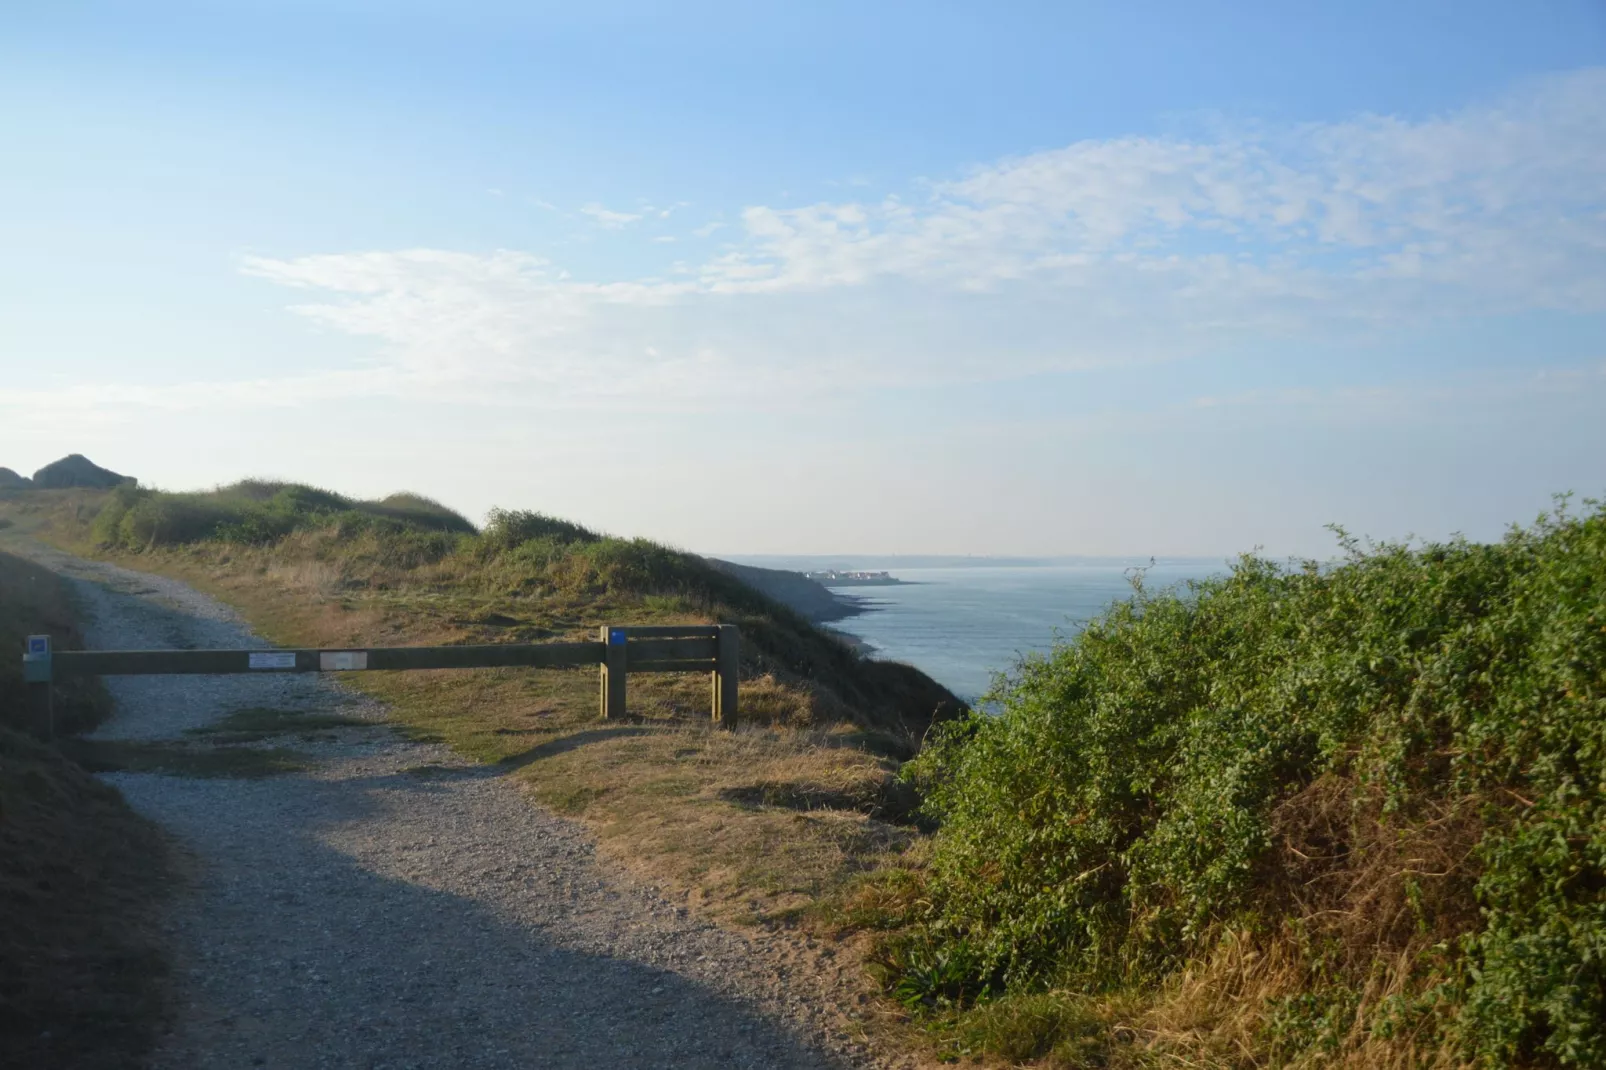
pixel 613 671
pixel 37 678
pixel 728 661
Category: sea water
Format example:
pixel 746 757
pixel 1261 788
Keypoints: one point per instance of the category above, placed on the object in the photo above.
pixel 962 624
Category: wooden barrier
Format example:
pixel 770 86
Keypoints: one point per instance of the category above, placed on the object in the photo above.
pixel 714 649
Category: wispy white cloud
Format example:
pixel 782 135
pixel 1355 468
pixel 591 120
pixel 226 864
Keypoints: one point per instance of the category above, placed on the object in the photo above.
pixel 1102 252
pixel 610 219
pixel 1503 203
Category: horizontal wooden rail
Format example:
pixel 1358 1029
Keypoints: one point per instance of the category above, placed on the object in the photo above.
pixel 712 649
pixel 219 662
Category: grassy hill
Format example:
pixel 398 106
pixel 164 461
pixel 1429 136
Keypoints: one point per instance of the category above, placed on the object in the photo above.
pixel 752 824
pixel 556 578
pixel 1307 815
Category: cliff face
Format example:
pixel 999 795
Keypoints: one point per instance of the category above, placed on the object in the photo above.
pixel 76 470
pixel 792 589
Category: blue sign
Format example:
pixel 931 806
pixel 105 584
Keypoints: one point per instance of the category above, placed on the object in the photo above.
pixel 616 637
pixel 38 645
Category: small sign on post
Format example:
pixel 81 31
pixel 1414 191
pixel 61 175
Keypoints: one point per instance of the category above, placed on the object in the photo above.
pixel 36 673
pixel 615 642
pixel 36 660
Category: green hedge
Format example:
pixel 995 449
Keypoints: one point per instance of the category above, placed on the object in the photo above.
pixel 1144 789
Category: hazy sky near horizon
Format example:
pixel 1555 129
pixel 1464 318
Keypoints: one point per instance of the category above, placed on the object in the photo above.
pixel 1012 278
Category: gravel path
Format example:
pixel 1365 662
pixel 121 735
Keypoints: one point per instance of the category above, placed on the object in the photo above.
pixel 393 906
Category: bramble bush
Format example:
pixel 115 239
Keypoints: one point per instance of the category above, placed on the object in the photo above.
pixel 1394 765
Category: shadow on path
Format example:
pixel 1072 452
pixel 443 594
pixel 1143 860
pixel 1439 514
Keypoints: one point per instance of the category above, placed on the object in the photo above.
pixel 574 741
pixel 330 928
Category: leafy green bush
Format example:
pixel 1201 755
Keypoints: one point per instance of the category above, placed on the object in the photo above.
pixel 1404 754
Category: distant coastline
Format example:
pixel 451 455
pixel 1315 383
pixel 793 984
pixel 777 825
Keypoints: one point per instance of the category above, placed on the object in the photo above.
pixel 814 600
pixel 833 577
pixel 896 563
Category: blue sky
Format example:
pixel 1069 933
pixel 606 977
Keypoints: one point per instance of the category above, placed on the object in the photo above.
pixel 922 278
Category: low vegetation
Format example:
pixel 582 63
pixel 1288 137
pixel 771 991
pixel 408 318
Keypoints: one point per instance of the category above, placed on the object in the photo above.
pixel 526 576
pixel 1349 815
pixel 82 970
pixel 754 823
pixel 257 512
pixel 1301 815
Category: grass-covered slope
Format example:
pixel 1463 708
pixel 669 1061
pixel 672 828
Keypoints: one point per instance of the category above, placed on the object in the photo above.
pixel 257 511
pixel 557 578
pixel 1292 815
pixel 753 824
pixel 82 968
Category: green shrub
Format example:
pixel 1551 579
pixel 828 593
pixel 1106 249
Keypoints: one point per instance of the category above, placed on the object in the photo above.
pixel 417 511
pixel 258 512
pixel 1262 752
pixel 170 519
pixel 105 529
pixel 506 529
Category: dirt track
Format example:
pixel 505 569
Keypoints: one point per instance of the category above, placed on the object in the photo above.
pixel 392 906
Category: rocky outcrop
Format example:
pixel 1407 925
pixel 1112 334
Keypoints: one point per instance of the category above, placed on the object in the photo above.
pixel 10 480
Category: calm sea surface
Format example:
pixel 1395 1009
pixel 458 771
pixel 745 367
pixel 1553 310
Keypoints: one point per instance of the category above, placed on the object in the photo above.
pixel 960 625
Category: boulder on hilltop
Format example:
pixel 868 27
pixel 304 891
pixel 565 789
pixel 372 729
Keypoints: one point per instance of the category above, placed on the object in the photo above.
pixel 76 470
pixel 10 480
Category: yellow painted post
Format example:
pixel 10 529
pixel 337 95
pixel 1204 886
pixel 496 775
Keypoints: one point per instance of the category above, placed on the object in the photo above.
pixel 613 671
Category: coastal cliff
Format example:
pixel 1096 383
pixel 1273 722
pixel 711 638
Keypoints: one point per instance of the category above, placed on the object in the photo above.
pixel 793 589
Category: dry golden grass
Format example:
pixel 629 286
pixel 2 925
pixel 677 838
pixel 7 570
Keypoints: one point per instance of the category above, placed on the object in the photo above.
pixel 713 813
